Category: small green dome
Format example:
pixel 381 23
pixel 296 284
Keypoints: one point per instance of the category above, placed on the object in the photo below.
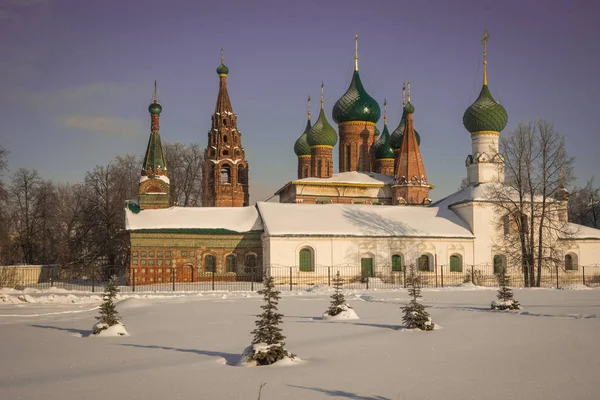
pixel 485 114
pixel 356 104
pixel 376 133
pixel 382 147
pixel 155 108
pixel 301 147
pixel 398 134
pixel 321 133
pixel 409 108
pixel 222 69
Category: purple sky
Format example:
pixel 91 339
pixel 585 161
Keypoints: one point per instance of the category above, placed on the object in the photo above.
pixel 76 77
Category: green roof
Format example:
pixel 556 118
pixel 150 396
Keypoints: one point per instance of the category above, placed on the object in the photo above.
pixel 485 114
pixel 222 69
pixel 356 104
pixel 398 134
pixel 376 133
pixel 321 133
pixel 301 147
pixel 155 108
pixel 382 147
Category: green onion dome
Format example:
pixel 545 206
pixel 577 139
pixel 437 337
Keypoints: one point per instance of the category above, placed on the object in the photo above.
pixel 485 114
pixel 301 147
pixel 321 133
pixel 376 133
pixel 398 134
pixel 356 104
pixel 222 69
pixel 382 147
pixel 155 108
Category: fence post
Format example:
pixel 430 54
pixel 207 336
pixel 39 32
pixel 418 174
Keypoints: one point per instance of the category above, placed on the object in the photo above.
pixel 436 274
pixel 93 282
pixel 472 275
pixel 557 275
pixel 133 283
pixel 192 267
pixel 583 274
pixel 404 278
pixel 213 279
pixel 290 279
pixel 173 277
pixel 328 276
pixel 442 274
pixel 252 278
pixel 367 276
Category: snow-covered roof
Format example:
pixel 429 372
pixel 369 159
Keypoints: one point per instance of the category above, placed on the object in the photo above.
pixel 281 219
pixel 233 219
pixel 369 178
pixel 581 232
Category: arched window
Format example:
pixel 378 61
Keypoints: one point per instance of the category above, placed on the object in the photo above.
pixel 209 263
pixel 250 264
pixel 397 262
pixel 498 263
pixel 424 263
pixel 242 175
pixel 455 263
pixel 348 157
pixel 225 152
pixel 571 262
pixel 225 174
pixel 318 169
pixel 225 138
pixel 230 263
pixel 306 260
pixel 224 122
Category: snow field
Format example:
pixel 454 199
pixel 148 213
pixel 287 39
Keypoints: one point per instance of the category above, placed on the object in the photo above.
pixel 187 347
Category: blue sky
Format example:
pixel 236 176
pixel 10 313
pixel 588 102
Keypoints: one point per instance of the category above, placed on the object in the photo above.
pixel 76 77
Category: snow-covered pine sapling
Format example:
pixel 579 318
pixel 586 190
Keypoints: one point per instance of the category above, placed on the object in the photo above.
pixel 415 316
pixel 267 345
pixel 108 312
pixel 505 294
pixel 338 301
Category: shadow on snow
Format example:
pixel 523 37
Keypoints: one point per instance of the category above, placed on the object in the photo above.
pixel 341 393
pixel 230 359
pixel 82 332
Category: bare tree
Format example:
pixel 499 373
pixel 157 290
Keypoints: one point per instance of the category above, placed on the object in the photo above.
pixel 536 168
pixel 584 205
pixel 24 186
pixel 184 163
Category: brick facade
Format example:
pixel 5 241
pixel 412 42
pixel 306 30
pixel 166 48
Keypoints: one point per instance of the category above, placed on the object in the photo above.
pixel 356 137
pixel 321 161
pixel 304 167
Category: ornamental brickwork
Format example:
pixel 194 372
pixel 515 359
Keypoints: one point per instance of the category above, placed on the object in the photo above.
pixel 321 161
pixel 356 142
pixel 304 167
pixel 159 257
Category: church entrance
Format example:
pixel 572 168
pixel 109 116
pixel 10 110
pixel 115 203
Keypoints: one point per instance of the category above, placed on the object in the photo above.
pixel 366 268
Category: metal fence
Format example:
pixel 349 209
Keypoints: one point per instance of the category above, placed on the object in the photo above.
pixel 286 278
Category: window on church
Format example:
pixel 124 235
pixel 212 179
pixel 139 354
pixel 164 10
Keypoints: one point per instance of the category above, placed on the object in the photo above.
pixel 224 122
pixel 498 263
pixel 424 263
pixel 230 263
pixel 225 174
pixel 209 263
pixel 455 263
pixel 226 153
pixel 306 260
pixel 225 138
pixel 348 157
pixel 361 157
pixel 397 262
pixel 250 264
pixel 318 169
pixel 571 262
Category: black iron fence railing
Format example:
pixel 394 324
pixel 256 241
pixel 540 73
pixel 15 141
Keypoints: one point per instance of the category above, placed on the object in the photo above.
pixel 286 278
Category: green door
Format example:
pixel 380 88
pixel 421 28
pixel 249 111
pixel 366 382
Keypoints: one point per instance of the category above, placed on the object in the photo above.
pixel 366 268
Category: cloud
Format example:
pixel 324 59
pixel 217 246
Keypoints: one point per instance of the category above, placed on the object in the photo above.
pixel 108 125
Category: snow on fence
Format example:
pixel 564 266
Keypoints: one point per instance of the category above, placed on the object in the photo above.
pixel 286 278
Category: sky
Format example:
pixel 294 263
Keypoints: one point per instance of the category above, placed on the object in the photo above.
pixel 76 77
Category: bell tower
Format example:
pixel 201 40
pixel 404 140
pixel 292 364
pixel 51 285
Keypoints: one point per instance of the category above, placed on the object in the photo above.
pixel 225 173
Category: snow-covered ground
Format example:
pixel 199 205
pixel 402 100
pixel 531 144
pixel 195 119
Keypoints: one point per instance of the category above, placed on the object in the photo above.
pixel 187 346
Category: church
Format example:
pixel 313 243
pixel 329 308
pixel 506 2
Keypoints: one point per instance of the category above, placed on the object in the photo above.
pixel 371 219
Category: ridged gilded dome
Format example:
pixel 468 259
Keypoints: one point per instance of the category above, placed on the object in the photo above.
pixel 396 136
pixel 485 114
pixel 301 147
pixel 382 147
pixel 321 133
pixel 356 104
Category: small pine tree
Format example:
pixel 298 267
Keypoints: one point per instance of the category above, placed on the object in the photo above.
pixel 267 329
pixel 338 301
pixel 505 294
pixel 415 315
pixel 108 312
